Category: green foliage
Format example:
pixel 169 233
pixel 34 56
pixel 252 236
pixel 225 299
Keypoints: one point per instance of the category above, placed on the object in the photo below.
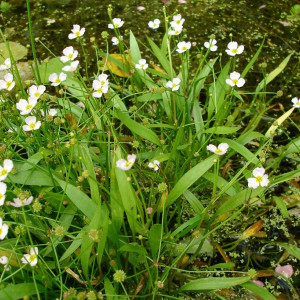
pixel 171 221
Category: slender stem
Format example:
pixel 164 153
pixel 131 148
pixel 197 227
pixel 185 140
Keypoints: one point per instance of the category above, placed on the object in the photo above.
pixel 32 43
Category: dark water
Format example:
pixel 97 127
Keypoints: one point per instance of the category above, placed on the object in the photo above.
pixel 248 21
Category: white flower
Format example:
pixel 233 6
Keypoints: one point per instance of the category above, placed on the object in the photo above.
pixel 183 46
pixel 124 164
pixel 4 261
pixel 32 124
pixel 235 80
pixel 2 192
pixel 21 202
pixel 174 84
pixel 8 82
pixel 296 102
pixel 211 45
pixel 72 67
pixel 260 178
pixel 36 91
pixel 154 165
pixel 76 32
pixel 175 30
pixel 220 150
pixel 234 49
pixel 3 230
pixel 7 167
pixel 69 54
pixel 56 80
pixel 142 64
pixel 116 23
pixel 99 88
pixel 177 21
pixel 6 65
pixel 26 106
pixel 31 258
pixel 103 79
pixel 81 105
pixel 52 112
pixel 115 41
pixel 154 24
pixel 140 8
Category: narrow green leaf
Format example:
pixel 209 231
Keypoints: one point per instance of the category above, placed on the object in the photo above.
pixel 237 200
pixel 18 291
pixel 242 150
pixel 75 245
pixel 80 199
pixel 253 60
pixel 281 206
pixel 154 239
pixel 189 178
pixel 222 130
pixel 228 265
pixel 214 283
pixel 138 129
pixel 292 249
pixel 31 177
pixel 194 202
pixel 258 290
pixel 110 292
pixel 134 48
pixel 133 247
pixel 273 74
pixel 160 55
pixel 88 163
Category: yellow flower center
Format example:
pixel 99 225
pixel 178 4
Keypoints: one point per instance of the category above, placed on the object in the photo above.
pixel 116 25
pixel 218 150
pixel 32 257
pixel 235 81
pixel 0 230
pixel 259 179
pixel 3 172
pixel 1 196
pixel 102 82
pixel 184 48
pixel 178 22
pixel 22 202
pixel 100 90
pixel 70 56
pixel 128 164
pixel 142 66
pixel 174 85
pixel 57 80
pixel 8 83
pixel 27 107
pixel 37 94
pixel 234 51
pixel 32 125
pixel 77 33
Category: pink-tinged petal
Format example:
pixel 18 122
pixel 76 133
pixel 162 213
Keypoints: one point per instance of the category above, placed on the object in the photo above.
pixel 223 146
pixel 213 48
pixel 241 82
pixel 265 180
pixel 140 8
pixel 8 164
pixel 3 260
pixel 131 158
pixel 258 172
pixel 8 77
pixel 71 36
pixel 286 271
pixel 62 76
pixel 258 282
pixel 37 125
pixel 64 59
pixel 229 82
pixel 211 148
pixel 76 27
pixel 252 183
pixel 232 45
pixel 240 49
pixel 235 75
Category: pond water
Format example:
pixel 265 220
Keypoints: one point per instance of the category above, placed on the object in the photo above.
pixel 247 20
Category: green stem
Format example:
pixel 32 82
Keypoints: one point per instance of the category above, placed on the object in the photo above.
pixel 32 43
